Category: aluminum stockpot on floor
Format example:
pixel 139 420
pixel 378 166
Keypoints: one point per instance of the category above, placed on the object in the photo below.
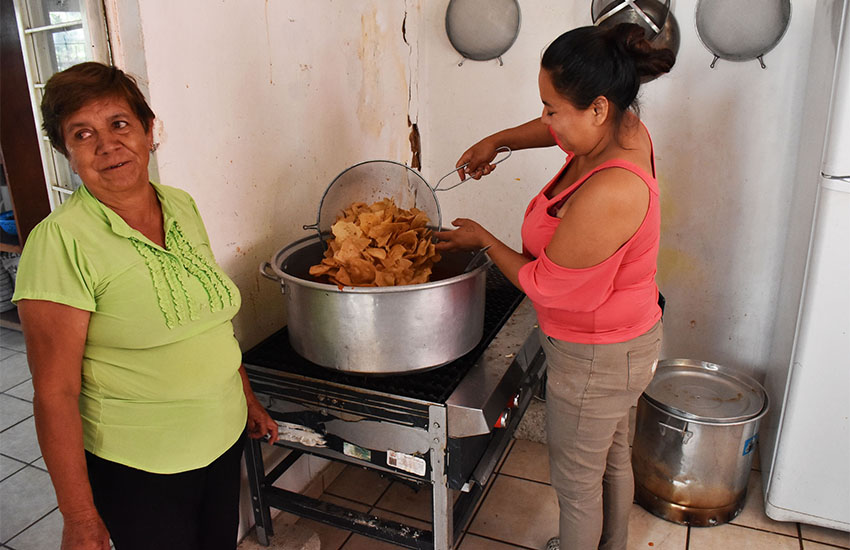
pixel 380 330
pixel 695 432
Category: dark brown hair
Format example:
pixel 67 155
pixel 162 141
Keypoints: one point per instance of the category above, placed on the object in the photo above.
pixel 589 62
pixel 69 90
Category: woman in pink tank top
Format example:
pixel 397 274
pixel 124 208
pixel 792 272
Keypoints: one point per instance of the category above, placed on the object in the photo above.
pixel 590 244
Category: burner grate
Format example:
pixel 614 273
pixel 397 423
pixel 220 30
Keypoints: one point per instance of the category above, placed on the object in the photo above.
pixel 435 385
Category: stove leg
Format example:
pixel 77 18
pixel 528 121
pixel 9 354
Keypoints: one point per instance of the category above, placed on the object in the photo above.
pixel 256 481
pixel 441 503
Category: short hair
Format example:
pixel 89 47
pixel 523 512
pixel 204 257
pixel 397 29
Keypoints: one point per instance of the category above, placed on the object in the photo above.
pixel 68 91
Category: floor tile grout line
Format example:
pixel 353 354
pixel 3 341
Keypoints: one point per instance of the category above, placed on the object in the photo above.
pixel 11 349
pixel 14 396
pixel 345 540
pixel 33 523
pixel 480 504
pixel 12 457
pixel 525 479
pixel 6 392
pixel 502 541
pixel 764 530
pixel 24 465
pixel 16 423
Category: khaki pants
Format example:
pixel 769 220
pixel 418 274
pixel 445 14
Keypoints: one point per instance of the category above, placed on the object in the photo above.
pixel 589 393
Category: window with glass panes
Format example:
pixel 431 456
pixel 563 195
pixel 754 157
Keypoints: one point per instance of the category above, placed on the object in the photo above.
pixel 56 34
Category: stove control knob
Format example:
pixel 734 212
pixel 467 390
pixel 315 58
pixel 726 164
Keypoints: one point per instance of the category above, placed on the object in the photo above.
pixel 514 402
pixel 502 422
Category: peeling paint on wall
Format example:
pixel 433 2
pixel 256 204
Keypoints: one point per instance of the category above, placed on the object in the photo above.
pixel 415 146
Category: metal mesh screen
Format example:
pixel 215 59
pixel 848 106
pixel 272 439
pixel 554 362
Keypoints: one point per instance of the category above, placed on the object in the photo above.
pixel 372 181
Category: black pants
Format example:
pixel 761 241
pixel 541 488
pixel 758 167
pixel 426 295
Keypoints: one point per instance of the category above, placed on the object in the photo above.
pixel 194 510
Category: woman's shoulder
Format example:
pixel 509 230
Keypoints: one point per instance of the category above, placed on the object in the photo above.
pixel 616 184
pixel 75 211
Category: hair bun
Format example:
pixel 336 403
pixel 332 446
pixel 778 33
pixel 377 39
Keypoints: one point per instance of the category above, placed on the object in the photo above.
pixel 631 40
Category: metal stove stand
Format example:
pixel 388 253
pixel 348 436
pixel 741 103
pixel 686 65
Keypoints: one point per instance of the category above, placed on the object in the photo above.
pixel 449 435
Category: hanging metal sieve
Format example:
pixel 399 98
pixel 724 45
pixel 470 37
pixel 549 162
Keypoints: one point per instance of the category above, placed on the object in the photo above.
pixel 372 181
pixel 660 26
pixel 482 29
pixel 375 180
pixel 741 31
pixel 649 14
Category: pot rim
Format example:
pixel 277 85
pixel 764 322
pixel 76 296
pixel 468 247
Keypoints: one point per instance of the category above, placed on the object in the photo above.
pixel 292 247
pixel 704 422
pixel 741 377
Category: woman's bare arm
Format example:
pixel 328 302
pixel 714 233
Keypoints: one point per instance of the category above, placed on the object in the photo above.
pixel 55 337
pixel 530 135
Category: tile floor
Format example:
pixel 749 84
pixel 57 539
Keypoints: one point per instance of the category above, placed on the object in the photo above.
pixel 519 510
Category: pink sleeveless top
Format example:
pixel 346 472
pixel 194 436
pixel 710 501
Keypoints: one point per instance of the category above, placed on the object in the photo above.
pixel 613 301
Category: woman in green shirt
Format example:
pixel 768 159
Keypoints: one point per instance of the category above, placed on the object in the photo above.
pixel 141 401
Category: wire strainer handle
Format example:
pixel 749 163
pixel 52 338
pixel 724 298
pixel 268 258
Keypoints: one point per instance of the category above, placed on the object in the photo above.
pixel 502 149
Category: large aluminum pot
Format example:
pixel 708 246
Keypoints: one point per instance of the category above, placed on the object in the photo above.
pixel 380 330
pixel 695 432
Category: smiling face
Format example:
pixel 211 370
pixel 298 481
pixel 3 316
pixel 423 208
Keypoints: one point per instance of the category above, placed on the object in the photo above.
pixel 577 129
pixel 108 147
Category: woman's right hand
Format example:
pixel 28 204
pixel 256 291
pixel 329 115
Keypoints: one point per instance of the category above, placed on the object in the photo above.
pixel 85 533
pixel 479 158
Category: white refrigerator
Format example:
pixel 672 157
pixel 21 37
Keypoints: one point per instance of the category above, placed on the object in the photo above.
pixel 805 441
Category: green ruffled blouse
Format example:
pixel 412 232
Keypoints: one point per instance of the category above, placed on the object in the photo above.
pixel 161 390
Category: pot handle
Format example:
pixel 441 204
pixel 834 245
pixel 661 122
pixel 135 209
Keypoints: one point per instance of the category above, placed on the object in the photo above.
pixel 686 435
pixel 502 149
pixel 264 267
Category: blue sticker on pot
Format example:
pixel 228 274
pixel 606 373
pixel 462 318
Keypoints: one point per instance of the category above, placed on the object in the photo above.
pixel 750 444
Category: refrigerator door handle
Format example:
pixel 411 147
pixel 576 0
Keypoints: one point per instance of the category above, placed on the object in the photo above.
pixel 831 177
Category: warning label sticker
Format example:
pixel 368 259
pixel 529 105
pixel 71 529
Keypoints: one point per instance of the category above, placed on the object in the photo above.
pixel 406 462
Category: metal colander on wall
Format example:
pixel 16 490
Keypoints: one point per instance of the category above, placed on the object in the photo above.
pixel 661 27
pixel 741 31
pixel 482 29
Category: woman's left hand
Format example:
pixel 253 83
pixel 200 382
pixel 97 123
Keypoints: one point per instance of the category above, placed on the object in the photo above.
pixel 260 423
pixel 469 235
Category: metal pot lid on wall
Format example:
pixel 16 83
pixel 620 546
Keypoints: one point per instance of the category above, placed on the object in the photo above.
pixel 705 392
pixel 482 29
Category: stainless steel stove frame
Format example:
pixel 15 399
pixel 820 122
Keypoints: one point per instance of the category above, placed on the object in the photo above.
pixel 450 445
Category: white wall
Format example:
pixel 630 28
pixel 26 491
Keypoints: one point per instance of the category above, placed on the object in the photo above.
pixel 262 104
pixel 726 141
